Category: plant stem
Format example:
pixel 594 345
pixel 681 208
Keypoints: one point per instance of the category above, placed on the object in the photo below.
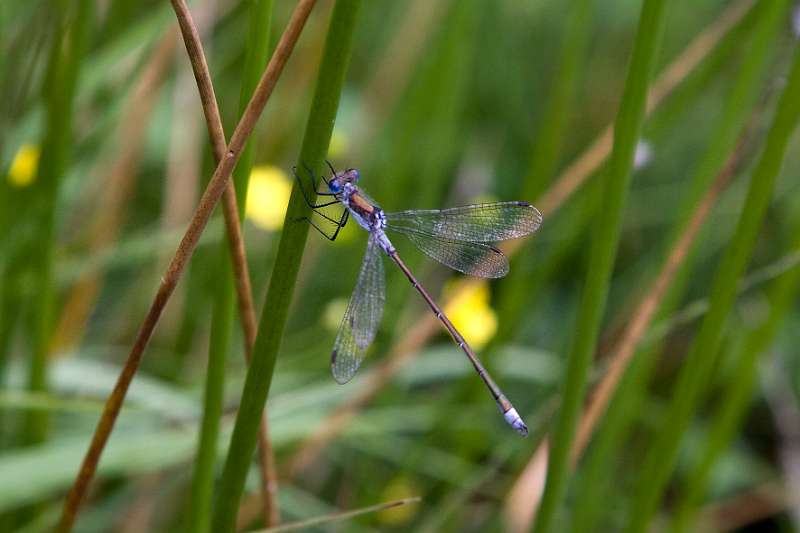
pixel 290 249
pixel 604 246
pixel 700 362
pixel 722 144
pixel 212 194
pixel 338 517
pixel 64 68
pixel 737 393
pixel 514 292
pixel 626 377
pixel 231 258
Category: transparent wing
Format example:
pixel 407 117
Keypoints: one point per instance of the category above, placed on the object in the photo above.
pixel 473 258
pixel 363 314
pixel 473 223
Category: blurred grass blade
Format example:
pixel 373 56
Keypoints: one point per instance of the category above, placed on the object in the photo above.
pixel 699 364
pixel 547 150
pixel 434 103
pixel 673 110
pixel 737 393
pixel 330 80
pixel 49 468
pixel 199 519
pixel 218 183
pixel 723 144
pixel 64 68
pixel 339 517
pixel 604 246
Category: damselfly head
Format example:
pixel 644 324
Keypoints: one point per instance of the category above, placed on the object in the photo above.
pixel 351 175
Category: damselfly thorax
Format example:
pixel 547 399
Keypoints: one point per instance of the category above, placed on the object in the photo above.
pixel 457 237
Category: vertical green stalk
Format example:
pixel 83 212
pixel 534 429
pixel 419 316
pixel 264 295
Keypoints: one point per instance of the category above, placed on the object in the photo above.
pixel 434 103
pixel 734 116
pixel 739 103
pixel 700 362
pixel 515 290
pixel 593 482
pixel 224 298
pixel 718 60
pixel 65 64
pixel 199 520
pixel 604 246
pixel 333 68
pixel 739 389
pixel 737 393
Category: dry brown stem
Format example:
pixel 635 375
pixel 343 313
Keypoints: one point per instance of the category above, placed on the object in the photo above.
pixel 216 186
pixel 194 49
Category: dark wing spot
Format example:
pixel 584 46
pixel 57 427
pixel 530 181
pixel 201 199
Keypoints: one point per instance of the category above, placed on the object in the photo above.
pixel 334 353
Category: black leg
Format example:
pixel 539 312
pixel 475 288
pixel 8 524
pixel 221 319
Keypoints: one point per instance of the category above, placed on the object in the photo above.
pixel 311 173
pixel 342 219
pixel 342 223
pixel 327 204
pixel 333 172
pixel 339 224
pixel 314 225
pixel 329 219
pixel 305 194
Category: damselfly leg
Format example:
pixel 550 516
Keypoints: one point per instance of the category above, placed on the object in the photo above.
pixel 333 172
pixel 342 222
pixel 311 204
pixel 339 223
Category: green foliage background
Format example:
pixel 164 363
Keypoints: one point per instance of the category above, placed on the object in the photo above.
pixel 443 102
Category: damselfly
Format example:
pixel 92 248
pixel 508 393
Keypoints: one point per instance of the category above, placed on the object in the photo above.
pixel 457 237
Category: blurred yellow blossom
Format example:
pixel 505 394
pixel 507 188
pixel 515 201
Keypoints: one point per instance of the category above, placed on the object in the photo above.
pixel 399 488
pixel 339 145
pixel 23 167
pixel 267 196
pixel 471 314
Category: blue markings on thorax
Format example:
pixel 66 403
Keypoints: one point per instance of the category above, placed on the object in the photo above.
pixel 368 215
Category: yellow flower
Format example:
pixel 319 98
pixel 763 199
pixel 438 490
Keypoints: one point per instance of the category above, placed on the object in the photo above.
pixel 471 314
pixel 23 167
pixel 267 196
pixel 397 489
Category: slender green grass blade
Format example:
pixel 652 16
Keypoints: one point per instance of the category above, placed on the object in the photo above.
pixel 65 65
pixel 339 517
pixel 330 80
pixel 199 518
pixel 739 102
pixel 737 392
pixel 604 246
pixel 427 121
pixel 515 290
pixel 711 69
pixel 700 362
